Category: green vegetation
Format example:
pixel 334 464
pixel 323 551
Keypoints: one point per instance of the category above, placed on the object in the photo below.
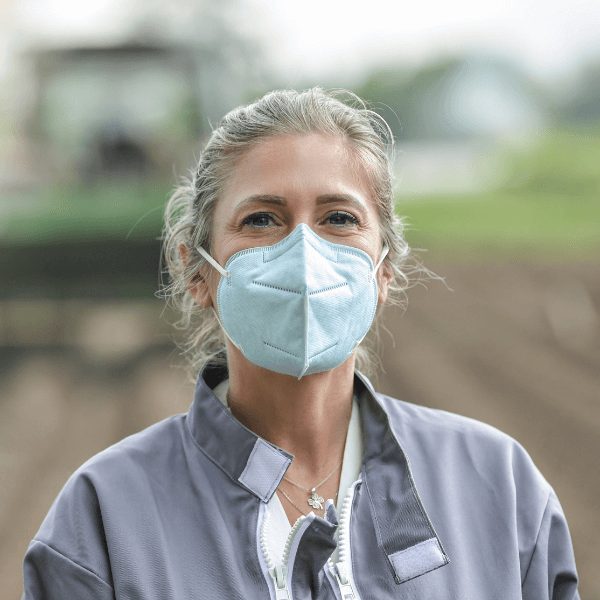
pixel 549 208
pixel 76 214
pixel 505 223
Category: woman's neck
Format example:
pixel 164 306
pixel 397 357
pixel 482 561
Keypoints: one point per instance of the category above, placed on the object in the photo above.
pixel 307 417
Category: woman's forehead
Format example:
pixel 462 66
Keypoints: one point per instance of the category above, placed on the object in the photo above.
pixel 318 164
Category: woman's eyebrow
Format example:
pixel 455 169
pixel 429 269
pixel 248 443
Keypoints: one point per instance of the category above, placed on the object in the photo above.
pixel 323 199
pixel 267 198
pixel 331 198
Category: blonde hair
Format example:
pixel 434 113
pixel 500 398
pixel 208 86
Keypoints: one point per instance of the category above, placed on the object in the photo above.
pixel 189 212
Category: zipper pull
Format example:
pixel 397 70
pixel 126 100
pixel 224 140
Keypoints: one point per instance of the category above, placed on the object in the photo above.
pixel 339 572
pixel 279 575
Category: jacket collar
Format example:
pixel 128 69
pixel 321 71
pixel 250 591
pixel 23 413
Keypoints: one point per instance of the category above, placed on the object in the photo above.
pixel 403 528
pixel 404 531
pixel 247 459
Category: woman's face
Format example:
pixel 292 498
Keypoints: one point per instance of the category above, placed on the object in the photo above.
pixel 288 180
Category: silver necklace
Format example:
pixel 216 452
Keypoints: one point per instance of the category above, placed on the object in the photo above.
pixel 315 500
pixel 297 507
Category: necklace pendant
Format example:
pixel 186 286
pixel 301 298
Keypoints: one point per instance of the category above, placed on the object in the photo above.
pixel 316 501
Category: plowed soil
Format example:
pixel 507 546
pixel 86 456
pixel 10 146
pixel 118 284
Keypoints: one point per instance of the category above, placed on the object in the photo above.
pixel 514 345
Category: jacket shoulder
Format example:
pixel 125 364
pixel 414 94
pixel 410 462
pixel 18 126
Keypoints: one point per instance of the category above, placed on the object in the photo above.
pixel 436 422
pixel 468 443
pixel 153 444
pixel 117 478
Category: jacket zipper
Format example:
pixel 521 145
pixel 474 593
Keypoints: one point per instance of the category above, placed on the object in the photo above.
pixel 279 573
pixel 339 573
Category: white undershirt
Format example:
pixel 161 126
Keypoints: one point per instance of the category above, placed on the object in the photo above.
pixel 279 525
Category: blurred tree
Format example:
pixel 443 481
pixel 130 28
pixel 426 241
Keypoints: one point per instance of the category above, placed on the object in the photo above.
pixel 399 96
pixel 580 104
pixel 456 98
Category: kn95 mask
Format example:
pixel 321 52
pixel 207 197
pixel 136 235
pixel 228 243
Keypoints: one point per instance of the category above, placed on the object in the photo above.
pixel 300 306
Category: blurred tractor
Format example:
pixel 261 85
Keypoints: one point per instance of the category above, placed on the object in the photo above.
pixel 116 112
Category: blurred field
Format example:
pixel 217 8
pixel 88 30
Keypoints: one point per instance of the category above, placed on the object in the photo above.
pixel 498 177
pixel 87 358
pixel 516 345
pixel 547 208
pixel 545 197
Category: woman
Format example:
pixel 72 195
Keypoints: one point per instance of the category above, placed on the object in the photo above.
pixel 286 242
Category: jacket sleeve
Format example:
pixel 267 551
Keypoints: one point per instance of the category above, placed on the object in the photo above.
pixel 68 557
pixel 551 573
pixel 49 575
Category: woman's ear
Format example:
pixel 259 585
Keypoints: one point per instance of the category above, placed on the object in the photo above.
pixel 385 276
pixel 199 287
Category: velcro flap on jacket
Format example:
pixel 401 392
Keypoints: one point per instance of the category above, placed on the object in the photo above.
pixel 418 559
pixel 264 470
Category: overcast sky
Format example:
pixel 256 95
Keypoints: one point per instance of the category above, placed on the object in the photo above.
pixel 549 36
pixel 310 39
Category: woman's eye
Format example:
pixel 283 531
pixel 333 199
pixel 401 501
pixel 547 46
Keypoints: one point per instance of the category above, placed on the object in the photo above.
pixel 258 220
pixel 341 219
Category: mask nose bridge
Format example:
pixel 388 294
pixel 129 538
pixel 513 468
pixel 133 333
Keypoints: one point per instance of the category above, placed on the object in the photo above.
pixel 311 243
pixel 304 249
pixel 306 244
pixel 301 234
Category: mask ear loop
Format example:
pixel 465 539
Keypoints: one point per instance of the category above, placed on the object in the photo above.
pixel 213 262
pixel 384 253
pixel 225 273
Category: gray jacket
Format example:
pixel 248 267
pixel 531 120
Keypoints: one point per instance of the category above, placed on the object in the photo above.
pixel 176 512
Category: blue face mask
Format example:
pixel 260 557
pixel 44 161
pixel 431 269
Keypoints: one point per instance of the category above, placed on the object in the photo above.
pixel 300 306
